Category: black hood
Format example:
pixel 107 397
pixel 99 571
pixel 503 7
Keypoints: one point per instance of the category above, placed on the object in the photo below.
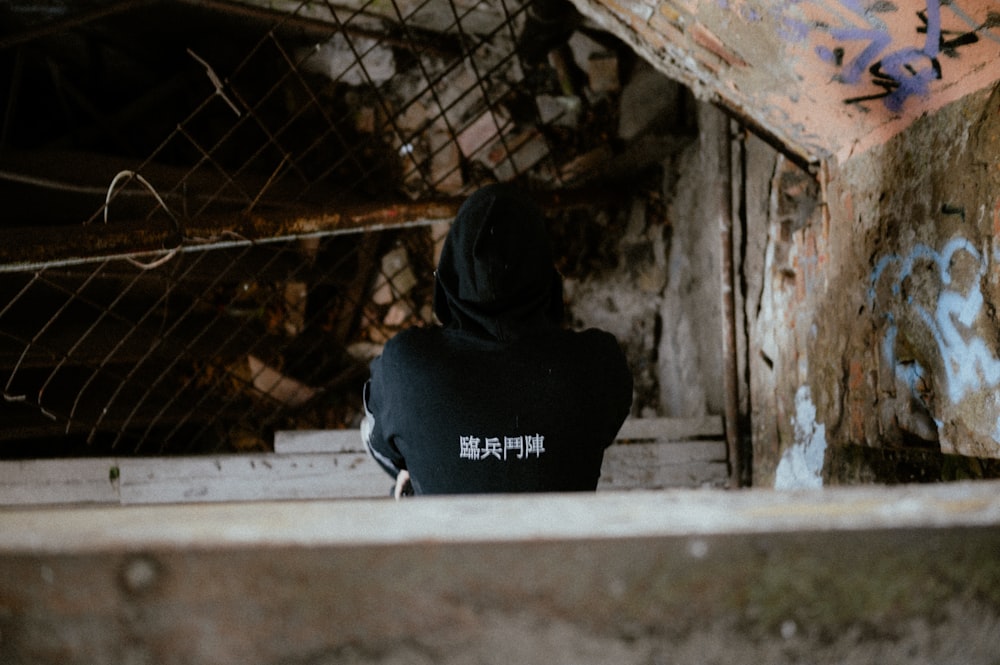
pixel 496 274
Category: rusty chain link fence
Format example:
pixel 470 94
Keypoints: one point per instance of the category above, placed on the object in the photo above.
pixel 229 208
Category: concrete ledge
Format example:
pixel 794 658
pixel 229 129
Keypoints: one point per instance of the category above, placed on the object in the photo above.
pixel 506 518
pixel 866 575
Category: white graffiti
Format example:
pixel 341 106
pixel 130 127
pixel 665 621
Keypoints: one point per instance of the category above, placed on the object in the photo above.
pixel 968 362
pixel 801 464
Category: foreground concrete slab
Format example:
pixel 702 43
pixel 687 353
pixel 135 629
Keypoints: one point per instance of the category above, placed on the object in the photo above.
pixel 854 575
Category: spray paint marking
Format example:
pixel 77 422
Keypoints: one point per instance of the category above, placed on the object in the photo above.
pixel 901 66
pixel 801 464
pixel 969 364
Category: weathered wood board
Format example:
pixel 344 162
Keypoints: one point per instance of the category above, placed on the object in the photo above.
pixel 333 465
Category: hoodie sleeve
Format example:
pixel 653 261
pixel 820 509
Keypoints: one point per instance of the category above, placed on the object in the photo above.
pixel 381 450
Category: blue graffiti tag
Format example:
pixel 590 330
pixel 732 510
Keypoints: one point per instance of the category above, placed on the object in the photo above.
pixel 969 364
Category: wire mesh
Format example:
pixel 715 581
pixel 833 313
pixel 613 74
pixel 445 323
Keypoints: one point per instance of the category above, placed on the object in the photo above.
pixel 223 319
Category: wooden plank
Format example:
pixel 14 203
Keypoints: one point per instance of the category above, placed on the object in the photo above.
pixel 634 429
pixel 142 480
pixel 318 441
pixel 254 477
pixel 671 429
pixel 662 465
pixel 87 480
pixel 347 473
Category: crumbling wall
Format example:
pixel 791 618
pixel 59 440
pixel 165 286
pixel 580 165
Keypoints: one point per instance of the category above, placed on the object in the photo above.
pixel 782 266
pixel 869 285
pixel 869 295
pixel 918 286
pixel 877 324
pixel 689 353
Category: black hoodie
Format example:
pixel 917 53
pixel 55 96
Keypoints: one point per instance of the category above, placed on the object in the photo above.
pixel 501 398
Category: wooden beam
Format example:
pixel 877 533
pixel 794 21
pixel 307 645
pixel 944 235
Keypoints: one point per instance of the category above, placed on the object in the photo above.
pixel 324 465
pixel 196 479
pixel 29 248
pixel 80 481
pixel 33 247
pixel 632 430
pixel 671 429
pixel 73 21
pixel 650 466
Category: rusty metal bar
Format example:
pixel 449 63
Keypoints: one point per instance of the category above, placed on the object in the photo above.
pixel 31 248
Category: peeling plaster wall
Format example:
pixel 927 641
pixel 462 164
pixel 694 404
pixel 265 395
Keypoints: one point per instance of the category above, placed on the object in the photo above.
pixel 783 265
pixel 881 304
pixel 921 267
pixel 689 353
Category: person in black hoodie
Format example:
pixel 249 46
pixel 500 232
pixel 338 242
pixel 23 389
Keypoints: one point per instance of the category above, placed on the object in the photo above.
pixel 500 398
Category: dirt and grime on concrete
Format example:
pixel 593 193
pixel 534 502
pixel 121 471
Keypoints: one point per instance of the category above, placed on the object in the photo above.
pixel 858 575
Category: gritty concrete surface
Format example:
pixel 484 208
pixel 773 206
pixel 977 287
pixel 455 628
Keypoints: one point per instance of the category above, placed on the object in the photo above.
pixel 850 575
pixel 967 635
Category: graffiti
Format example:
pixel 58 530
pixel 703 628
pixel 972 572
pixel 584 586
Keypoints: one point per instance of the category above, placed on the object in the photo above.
pixel 968 363
pixel 901 63
pixel 801 465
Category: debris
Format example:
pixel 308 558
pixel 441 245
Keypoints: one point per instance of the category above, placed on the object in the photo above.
pixel 397 315
pixel 296 294
pixel 568 74
pixel 272 383
pixel 364 120
pixel 396 278
pixel 510 157
pixel 482 132
pixel 364 351
pixel 413 119
pixel 439 233
pixel 587 164
pixel 559 110
pixel 309 248
pixel 599 63
pixel 602 73
pixel 446 167
pixel 358 62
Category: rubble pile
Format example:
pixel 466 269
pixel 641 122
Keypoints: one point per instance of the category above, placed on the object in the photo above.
pixel 473 108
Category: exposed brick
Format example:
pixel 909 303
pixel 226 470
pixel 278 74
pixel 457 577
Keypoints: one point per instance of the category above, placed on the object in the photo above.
pixel 663 31
pixel 707 40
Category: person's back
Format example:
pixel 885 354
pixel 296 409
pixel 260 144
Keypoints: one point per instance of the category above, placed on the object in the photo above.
pixel 500 399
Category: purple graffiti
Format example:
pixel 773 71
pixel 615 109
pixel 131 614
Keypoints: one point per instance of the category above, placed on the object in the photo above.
pixel 901 73
pixel 910 71
pixel 877 41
